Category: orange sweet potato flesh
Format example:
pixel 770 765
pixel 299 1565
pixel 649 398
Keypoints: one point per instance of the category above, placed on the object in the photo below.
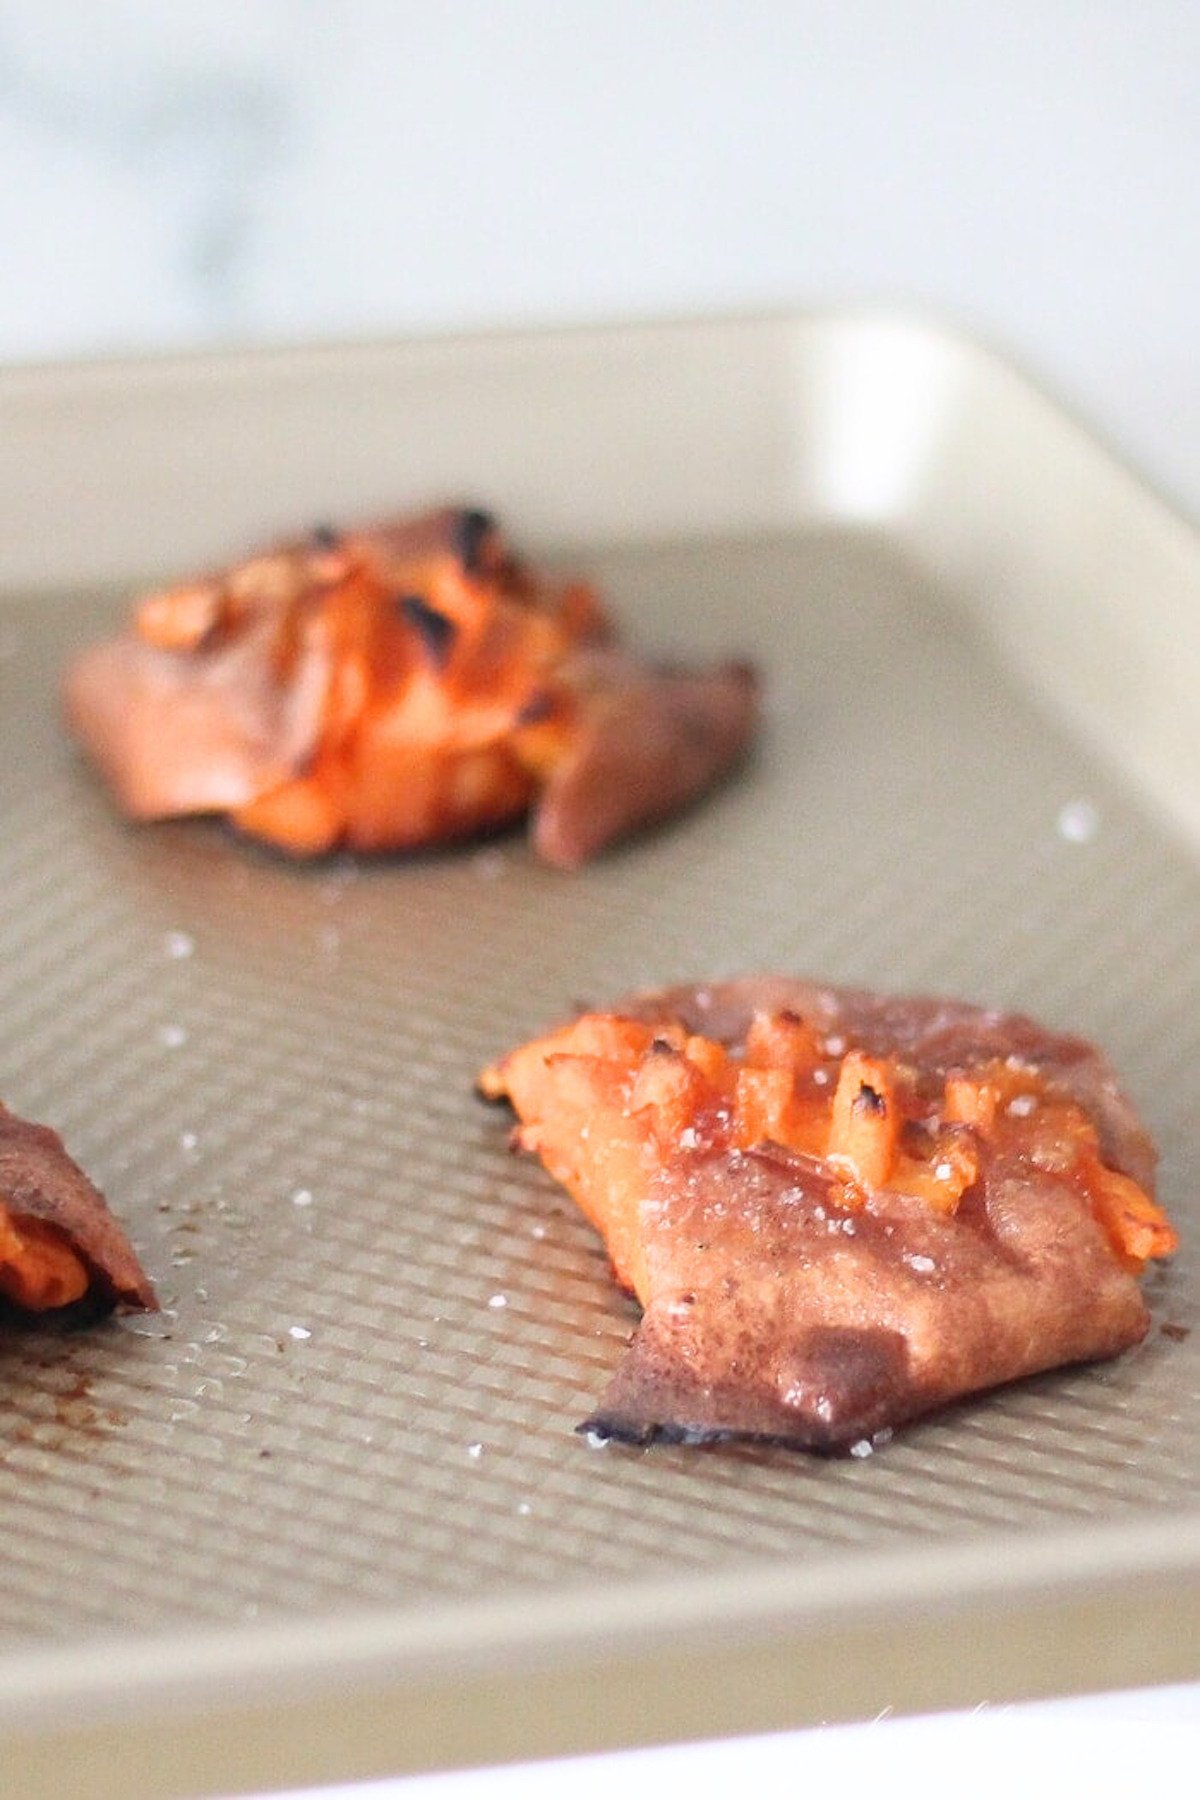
pixel 839 1210
pixel 398 686
pixel 60 1246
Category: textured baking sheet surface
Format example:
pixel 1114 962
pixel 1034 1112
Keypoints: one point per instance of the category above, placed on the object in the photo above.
pixel 378 1328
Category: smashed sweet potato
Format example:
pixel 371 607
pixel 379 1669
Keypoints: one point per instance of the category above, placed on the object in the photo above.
pixel 61 1250
pixel 837 1210
pixel 399 686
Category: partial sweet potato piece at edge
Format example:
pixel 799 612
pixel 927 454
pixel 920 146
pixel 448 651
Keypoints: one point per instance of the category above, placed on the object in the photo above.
pixel 60 1246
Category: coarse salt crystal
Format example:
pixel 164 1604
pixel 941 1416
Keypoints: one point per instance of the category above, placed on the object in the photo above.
pixel 835 1045
pixel 924 1265
pixel 299 1332
pixel 188 1140
pixel 943 1170
pixel 1078 821
pixel 1022 1106
pixel 172 1036
pixel 597 1440
pixel 524 1508
pixel 475 1451
pixel 302 1197
pixel 864 1447
pixel 497 1301
pixel 689 1137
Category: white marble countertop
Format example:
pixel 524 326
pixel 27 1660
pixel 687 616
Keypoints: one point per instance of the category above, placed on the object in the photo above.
pixel 295 170
pixel 321 168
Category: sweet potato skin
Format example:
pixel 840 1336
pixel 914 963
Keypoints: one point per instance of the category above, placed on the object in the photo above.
pixel 820 1328
pixel 648 744
pixel 786 1299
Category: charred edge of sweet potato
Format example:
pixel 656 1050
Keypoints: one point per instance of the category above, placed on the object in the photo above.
pixel 857 1384
pixel 469 531
pixel 98 1303
pixel 643 1437
pixel 611 1427
pixel 436 633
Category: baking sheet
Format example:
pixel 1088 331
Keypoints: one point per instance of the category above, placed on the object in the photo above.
pixel 341 1462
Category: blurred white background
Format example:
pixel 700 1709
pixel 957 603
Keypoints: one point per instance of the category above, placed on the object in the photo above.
pixel 184 175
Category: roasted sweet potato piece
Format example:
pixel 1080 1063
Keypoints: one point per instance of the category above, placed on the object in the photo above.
pixel 398 686
pixel 60 1247
pixel 837 1210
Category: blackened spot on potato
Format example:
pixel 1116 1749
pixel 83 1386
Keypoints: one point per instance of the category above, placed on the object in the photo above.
pixel 867 1100
pixel 662 1047
pixel 470 529
pixel 918 1138
pixel 435 630
pixel 326 537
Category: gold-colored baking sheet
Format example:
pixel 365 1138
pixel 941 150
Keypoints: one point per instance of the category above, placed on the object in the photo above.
pixel 327 1514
